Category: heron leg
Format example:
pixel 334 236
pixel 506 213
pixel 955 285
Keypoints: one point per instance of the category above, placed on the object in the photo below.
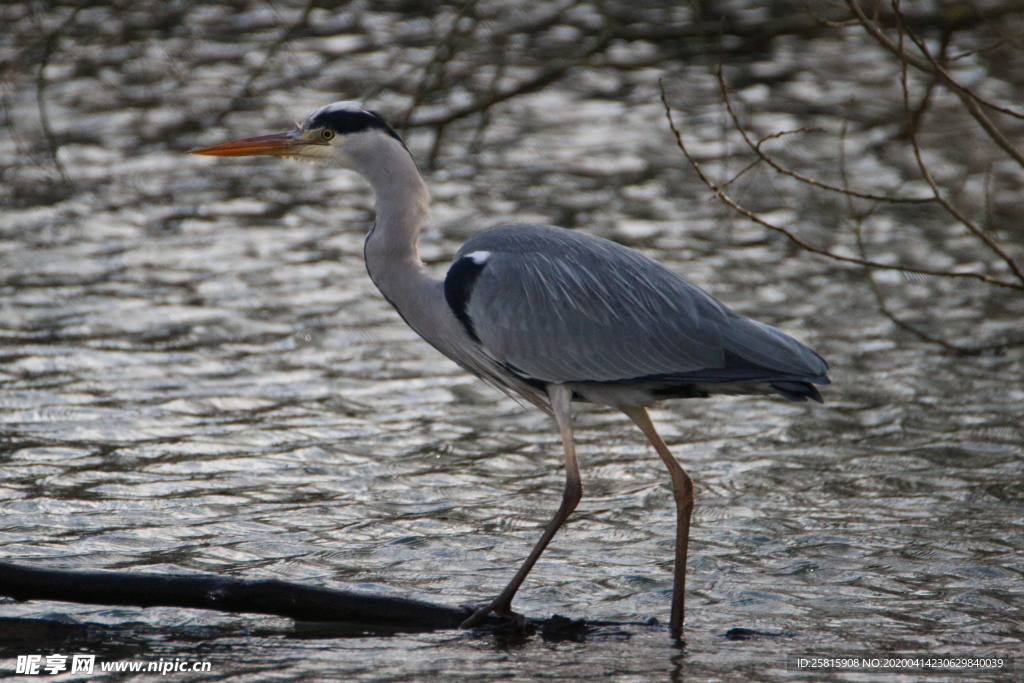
pixel 560 397
pixel 682 491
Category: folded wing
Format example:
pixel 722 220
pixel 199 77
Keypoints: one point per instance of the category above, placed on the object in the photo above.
pixel 561 306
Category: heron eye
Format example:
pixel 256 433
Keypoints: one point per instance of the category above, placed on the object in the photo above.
pixel 327 134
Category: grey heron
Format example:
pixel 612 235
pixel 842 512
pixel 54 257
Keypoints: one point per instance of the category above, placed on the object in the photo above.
pixel 550 315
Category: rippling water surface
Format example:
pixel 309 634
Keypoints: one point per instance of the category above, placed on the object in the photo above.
pixel 198 376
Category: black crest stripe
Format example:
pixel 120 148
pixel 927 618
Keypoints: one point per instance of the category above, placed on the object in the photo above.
pixel 345 121
pixel 458 287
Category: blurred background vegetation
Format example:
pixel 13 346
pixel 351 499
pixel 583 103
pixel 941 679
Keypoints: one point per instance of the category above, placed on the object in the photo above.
pixel 870 133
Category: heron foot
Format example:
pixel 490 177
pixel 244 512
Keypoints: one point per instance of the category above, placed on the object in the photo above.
pixel 480 612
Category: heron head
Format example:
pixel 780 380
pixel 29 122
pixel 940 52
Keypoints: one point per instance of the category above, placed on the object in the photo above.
pixel 334 134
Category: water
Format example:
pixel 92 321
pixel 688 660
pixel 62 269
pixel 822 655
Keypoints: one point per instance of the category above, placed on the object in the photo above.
pixel 198 376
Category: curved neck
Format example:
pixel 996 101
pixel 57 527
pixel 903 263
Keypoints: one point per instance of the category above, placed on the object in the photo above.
pixel 401 203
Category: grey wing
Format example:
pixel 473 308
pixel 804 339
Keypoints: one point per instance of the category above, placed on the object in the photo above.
pixel 561 306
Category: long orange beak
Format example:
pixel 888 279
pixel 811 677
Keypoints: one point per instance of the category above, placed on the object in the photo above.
pixel 276 144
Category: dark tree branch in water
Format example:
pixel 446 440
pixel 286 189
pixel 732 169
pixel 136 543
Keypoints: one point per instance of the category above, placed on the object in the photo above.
pixel 279 598
pixel 302 603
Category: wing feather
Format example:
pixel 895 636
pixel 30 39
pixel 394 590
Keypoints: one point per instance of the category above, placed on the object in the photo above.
pixel 562 306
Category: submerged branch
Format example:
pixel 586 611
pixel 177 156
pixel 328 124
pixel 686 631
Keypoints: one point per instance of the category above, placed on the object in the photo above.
pixel 302 603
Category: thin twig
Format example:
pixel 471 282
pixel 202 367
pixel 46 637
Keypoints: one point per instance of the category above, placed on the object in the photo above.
pixel 444 51
pixel 948 81
pixel 753 164
pixel 922 64
pixel 800 242
pixel 939 197
pixel 287 35
pixel 968 97
pixel 756 149
pixel 876 291
pixel 476 145
pixel 541 80
pixel 44 117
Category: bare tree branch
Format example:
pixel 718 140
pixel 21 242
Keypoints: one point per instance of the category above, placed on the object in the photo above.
pixel 946 204
pixel 971 100
pixel 728 200
pixel 49 44
pixel 544 78
pixel 305 603
pixel 756 148
pixel 288 34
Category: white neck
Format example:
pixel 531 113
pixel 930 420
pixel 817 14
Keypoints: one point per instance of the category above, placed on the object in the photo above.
pixel 401 203
pixel 393 263
pixel 390 249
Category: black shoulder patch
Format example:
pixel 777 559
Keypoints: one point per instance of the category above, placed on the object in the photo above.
pixel 458 287
pixel 345 121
